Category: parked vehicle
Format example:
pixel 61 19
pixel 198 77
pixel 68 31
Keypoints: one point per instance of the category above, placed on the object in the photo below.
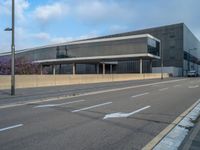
pixel 192 73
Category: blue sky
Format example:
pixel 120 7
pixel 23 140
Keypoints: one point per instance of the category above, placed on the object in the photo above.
pixel 41 22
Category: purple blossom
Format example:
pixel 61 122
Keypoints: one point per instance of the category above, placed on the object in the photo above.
pixel 22 66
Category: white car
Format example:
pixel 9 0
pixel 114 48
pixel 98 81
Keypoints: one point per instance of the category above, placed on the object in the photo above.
pixel 192 73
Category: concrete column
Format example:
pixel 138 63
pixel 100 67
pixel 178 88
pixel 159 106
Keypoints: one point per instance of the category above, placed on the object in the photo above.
pixel 150 65
pixel 111 68
pixel 60 69
pixel 41 69
pixel 104 68
pixel 97 67
pixel 54 69
pixel 74 68
pixel 141 63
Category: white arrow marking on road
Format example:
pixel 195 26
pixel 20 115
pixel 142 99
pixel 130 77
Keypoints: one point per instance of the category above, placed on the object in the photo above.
pixel 53 105
pixel 124 115
pixel 11 127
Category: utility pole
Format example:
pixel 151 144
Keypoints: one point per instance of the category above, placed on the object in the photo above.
pixel 13 50
pixel 161 50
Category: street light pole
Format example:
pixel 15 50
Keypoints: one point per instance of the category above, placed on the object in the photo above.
pixel 161 51
pixel 13 50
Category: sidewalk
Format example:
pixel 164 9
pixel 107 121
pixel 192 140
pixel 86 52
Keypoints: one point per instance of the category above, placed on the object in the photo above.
pixel 192 141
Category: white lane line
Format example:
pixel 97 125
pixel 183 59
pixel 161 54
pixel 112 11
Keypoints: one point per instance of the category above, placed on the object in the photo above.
pixel 86 108
pixel 194 86
pixel 124 115
pixel 140 95
pixel 11 127
pixel 178 85
pixel 164 89
pixel 53 105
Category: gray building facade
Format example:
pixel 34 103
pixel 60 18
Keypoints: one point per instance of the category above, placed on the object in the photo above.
pixel 181 49
pixel 181 52
pixel 123 54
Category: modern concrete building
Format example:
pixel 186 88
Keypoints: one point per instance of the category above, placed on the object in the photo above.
pixel 107 55
pixel 131 52
pixel 181 49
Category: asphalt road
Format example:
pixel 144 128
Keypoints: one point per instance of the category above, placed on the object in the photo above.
pixel 123 116
pixel 30 94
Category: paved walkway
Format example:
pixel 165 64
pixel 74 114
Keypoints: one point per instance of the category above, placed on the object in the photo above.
pixel 192 141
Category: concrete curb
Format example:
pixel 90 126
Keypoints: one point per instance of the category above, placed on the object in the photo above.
pixel 156 140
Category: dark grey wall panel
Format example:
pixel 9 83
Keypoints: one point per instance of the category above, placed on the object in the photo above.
pixel 171 37
pixel 119 47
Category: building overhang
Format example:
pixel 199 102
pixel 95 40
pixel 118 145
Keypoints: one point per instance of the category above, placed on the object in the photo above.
pixel 96 59
pixel 84 41
pixel 114 39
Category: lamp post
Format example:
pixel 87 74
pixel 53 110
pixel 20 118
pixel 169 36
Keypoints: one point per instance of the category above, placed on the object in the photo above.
pixel 12 49
pixel 161 51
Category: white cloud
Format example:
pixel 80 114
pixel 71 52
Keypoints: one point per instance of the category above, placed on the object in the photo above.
pixel 25 39
pixel 47 12
pixel 117 29
pixel 97 11
pixel 47 38
pixel 88 11
pixel 4 7
pixel 20 7
pixel 41 36
pixel 55 40
pixel 73 18
pixel 21 39
pixel 92 10
pixel 89 35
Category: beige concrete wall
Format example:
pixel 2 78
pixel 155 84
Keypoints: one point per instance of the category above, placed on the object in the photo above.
pixel 27 81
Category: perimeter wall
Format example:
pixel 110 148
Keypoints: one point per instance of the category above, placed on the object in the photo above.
pixel 30 81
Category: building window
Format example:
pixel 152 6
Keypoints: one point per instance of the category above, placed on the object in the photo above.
pixel 190 57
pixel 172 57
pixel 172 36
pixel 57 52
pixel 153 47
pixel 185 55
pixel 61 53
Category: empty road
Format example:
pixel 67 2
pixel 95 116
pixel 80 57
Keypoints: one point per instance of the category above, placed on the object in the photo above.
pixel 107 116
